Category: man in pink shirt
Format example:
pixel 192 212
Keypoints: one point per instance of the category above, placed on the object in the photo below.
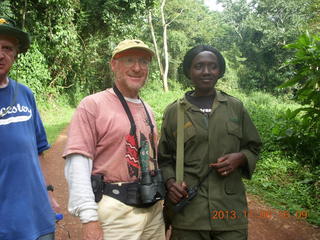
pixel 115 185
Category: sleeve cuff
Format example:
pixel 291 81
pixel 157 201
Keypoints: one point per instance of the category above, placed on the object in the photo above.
pixel 251 163
pixel 88 215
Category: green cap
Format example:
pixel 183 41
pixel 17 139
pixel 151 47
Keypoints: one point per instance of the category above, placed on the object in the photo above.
pixel 8 28
pixel 132 43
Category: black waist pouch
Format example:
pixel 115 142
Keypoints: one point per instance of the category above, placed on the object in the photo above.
pixel 128 193
pixel 97 186
pixel 138 194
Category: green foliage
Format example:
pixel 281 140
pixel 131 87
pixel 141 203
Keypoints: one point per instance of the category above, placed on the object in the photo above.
pixel 260 29
pixel 50 24
pixel 102 24
pixel 306 80
pixel 56 114
pixel 187 26
pixel 5 9
pixel 300 128
pixel 112 16
pixel 31 69
pixel 294 137
pixel 55 117
pixel 76 38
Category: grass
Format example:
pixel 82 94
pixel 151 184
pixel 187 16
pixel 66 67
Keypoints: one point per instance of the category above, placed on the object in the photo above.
pixel 55 118
pixel 287 185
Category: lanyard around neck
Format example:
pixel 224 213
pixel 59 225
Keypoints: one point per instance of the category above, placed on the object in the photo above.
pixel 133 127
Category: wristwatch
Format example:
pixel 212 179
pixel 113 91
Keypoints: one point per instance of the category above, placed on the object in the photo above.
pixel 50 188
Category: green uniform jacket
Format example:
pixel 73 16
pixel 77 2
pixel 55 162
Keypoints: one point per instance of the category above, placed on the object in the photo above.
pixel 221 201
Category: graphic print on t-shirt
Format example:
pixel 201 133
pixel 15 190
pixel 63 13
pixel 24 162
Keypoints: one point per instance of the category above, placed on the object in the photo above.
pixel 144 153
pixel 132 156
pixel 14 114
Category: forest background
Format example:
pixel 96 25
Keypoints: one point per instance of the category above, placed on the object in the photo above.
pixel 272 50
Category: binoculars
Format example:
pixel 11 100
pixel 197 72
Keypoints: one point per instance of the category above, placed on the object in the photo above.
pixel 151 187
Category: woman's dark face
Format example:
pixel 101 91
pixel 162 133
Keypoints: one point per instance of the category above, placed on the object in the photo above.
pixel 204 73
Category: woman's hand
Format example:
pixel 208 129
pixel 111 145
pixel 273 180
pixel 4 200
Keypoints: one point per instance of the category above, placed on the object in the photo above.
pixel 229 162
pixel 176 191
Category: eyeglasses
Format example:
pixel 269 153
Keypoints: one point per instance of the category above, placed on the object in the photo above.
pixel 131 61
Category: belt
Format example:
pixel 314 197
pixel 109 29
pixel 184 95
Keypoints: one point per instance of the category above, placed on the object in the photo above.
pixel 127 193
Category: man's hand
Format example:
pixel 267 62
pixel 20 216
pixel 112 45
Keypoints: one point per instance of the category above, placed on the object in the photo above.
pixel 228 163
pixel 54 204
pixel 92 231
pixel 176 191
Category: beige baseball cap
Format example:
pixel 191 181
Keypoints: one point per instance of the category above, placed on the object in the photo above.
pixel 129 44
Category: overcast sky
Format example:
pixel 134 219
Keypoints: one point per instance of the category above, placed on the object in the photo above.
pixel 212 5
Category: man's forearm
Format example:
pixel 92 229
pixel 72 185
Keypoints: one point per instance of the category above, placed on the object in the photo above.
pixel 81 203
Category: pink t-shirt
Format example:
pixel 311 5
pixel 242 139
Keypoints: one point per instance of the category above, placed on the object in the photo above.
pixel 98 130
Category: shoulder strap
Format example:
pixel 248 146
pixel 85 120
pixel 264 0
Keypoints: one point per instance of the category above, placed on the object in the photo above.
pixel 180 142
pixel 180 146
pixel 133 124
pixel 128 112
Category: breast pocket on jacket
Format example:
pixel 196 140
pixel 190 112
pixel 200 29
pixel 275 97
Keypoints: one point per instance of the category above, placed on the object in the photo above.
pixel 189 132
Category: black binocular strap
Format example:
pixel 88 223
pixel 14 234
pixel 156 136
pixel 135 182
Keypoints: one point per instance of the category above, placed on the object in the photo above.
pixel 133 128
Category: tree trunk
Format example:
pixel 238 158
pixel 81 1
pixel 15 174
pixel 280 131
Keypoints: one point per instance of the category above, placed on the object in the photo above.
pixel 156 47
pixel 165 48
pixel 24 15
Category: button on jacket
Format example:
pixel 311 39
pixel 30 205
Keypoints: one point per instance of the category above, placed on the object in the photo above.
pixel 221 201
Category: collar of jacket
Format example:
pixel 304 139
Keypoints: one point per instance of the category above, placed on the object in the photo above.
pixel 220 97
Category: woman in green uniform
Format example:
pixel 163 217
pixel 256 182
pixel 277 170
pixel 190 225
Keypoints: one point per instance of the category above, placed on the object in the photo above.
pixel 218 135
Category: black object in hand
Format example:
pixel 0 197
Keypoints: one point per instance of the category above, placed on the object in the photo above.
pixel 192 192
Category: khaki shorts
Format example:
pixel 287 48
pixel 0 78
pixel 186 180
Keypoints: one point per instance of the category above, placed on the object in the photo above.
pixel 120 221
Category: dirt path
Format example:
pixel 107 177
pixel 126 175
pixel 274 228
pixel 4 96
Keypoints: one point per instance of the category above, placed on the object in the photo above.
pixel 264 223
pixel 55 163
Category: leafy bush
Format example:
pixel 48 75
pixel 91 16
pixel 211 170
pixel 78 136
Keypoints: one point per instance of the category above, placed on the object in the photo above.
pixel 295 136
pixel 31 69
pixel 300 129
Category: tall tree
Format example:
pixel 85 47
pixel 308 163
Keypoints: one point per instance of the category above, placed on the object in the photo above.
pixel 164 68
pixel 179 25
pixel 155 44
pixel 260 29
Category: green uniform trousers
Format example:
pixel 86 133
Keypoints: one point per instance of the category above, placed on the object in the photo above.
pixel 181 234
